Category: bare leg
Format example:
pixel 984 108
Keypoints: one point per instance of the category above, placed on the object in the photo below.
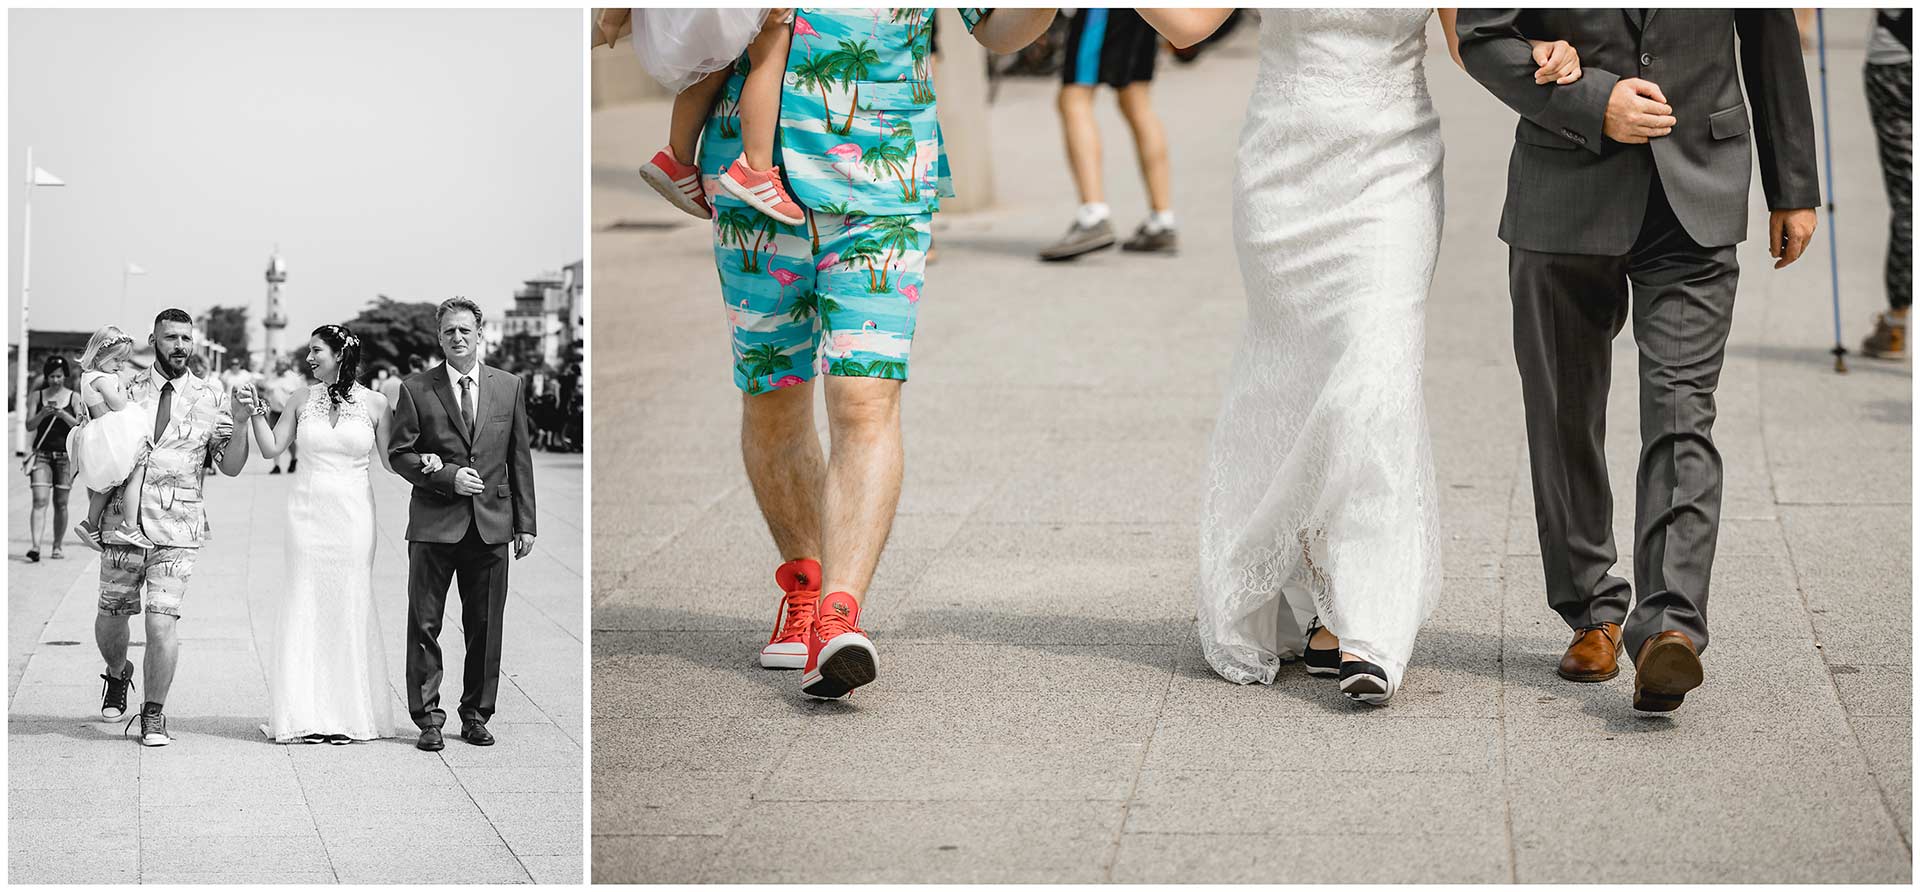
pixel 163 653
pixel 785 467
pixel 1150 140
pixel 96 506
pixel 110 634
pixel 130 495
pixel 1083 141
pixel 37 517
pixel 760 97
pixel 60 495
pixel 690 110
pixel 863 480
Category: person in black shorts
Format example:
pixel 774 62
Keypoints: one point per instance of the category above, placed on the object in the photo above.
pixel 1115 47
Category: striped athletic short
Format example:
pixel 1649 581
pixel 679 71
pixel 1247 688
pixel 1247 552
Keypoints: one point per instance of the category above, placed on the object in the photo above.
pixel 1115 47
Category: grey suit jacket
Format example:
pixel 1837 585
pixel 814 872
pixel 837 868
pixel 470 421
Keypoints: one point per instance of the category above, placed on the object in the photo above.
pixel 426 419
pixel 1571 190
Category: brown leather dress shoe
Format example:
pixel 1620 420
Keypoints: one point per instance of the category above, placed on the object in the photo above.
pixel 1594 654
pixel 1666 669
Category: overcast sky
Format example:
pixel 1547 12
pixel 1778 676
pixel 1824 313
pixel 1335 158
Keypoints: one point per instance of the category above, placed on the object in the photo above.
pixel 417 154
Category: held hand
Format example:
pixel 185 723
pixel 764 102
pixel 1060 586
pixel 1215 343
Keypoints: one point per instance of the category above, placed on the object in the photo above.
pixel 242 401
pixel 522 545
pixel 1788 233
pixel 467 482
pixel 430 463
pixel 1637 112
pixel 1558 62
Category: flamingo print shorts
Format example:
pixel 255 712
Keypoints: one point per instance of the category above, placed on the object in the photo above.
pixel 835 295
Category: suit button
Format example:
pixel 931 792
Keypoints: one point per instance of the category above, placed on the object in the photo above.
pixel 1646 59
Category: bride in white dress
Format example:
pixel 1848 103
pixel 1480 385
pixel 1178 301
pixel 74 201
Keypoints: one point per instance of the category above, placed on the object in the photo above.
pixel 1320 534
pixel 327 674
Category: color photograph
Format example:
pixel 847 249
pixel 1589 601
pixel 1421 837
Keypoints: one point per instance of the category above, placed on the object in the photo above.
pixel 1254 446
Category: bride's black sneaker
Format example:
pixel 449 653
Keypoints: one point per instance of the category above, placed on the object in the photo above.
pixel 113 694
pixel 1364 682
pixel 339 739
pixel 1320 662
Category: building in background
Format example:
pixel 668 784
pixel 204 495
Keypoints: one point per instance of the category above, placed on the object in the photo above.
pixel 541 333
pixel 275 321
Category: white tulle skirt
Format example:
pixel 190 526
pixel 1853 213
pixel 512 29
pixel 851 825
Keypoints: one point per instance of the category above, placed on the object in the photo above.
pixel 104 450
pixel 681 46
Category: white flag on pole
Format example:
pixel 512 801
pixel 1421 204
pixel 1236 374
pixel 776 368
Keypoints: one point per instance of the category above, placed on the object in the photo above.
pixel 42 178
pixel 133 269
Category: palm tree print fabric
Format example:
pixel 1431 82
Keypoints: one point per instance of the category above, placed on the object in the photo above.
pixel 857 123
pixel 837 295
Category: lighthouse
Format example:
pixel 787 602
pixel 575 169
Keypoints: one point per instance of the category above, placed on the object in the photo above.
pixel 276 318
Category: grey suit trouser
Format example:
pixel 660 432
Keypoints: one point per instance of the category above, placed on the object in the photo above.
pixel 1567 308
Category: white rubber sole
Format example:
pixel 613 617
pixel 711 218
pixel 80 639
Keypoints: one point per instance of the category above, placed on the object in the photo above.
pixel 740 191
pixel 155 741
pixel 846 662
pixel 657 178
pixel 1368 689
pixel 786 655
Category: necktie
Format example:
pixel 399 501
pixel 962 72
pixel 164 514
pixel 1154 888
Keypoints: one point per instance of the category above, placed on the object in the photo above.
pixel 163 412
pixel 466 402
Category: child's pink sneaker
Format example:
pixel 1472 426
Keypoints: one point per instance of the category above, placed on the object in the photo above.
pixel 678 183
pixel 762 189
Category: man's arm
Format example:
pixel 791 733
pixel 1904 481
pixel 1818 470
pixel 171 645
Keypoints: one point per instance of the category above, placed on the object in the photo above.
pixel 402 450
pixel 520 472
pixel 229 445
pixel 1007 30
pixel 1776 76
pixel 1497 55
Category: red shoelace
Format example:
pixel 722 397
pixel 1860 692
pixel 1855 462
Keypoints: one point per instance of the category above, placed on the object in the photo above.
pixel 799 608
pixel 828 624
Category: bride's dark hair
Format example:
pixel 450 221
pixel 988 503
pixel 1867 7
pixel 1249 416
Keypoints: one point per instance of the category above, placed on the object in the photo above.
pixel 346 352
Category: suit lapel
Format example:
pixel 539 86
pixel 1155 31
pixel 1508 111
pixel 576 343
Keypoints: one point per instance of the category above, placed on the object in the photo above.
pixel 1647 21
pixel 1635 17
pixel 444 389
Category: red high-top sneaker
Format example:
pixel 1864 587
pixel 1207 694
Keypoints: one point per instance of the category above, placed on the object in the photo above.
pixel 787 646
pixel 840 656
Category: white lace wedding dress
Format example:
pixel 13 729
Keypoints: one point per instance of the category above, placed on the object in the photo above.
pixel 328 668
pixel 1320 495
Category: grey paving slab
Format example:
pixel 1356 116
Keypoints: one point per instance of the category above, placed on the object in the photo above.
pixel 651 859
pixel 1302 855
pixel 224 805
pixel 1043 713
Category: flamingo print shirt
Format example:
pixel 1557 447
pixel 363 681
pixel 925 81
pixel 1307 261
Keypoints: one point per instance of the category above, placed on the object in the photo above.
pixel 858 132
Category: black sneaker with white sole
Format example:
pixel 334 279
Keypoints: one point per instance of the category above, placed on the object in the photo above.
pixel 1320 661
pixel 1364 682
pixel 153 725
pixel 113 693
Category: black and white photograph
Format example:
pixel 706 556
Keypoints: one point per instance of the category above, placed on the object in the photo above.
pixel 295 553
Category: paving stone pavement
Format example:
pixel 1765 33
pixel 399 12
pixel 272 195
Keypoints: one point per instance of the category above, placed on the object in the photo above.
pixel 1043 713
pixel 223 804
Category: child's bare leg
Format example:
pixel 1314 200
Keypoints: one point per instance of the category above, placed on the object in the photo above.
pixel 690 110
pixel 96 506
pixel 760 97
pixel 130 496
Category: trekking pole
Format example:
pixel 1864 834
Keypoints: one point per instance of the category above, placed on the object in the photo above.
pixel 1833 243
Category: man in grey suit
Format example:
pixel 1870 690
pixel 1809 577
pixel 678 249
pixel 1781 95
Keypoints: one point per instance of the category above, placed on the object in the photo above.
pixel 1634 179
pixel 464 512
